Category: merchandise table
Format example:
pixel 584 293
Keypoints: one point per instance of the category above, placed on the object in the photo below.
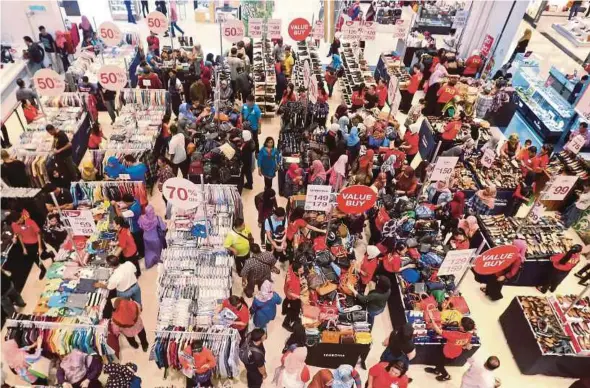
pixel 325 355
pixel 526 351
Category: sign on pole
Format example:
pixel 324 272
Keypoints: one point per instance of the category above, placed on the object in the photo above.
pixel 157 22
pixel 460 18
pixel 112 77
pixel 559 188
pixel 318 197
pixel 443 169
pixel 537 212
pixel 299 29
pixel 391 88
pixel 274 28
pixel 576 144
pixel 400 30
pixel 181 193
pixel 109 33
pixel 49 83
pixel 456 263
pixel 81 222
pixel 350 30
pixel 496 259
pixel 233 30
pixel 356 199
pixel 255 27
pixel 313 90
pixel 368 30
pixel 306 74
pixel 488 158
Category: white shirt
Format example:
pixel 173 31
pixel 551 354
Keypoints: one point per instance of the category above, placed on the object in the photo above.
pixel 123 277
pixel 477 376
pixel 583 201
pixel 176 148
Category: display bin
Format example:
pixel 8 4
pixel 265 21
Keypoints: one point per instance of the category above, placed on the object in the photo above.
pixel 331 356
pixel 528 355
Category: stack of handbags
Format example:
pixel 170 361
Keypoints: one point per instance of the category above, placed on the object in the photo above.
pixel 363 338
pixel 330 334
pixel 312 336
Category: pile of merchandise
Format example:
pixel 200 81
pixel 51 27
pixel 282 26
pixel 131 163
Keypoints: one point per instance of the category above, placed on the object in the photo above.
pixel 265 79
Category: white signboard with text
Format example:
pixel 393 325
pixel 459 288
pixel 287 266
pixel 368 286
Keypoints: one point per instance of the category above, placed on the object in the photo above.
pixel 81 222
pixel 456 263
pixel 318 197
pixel 443 169
pixel 559 188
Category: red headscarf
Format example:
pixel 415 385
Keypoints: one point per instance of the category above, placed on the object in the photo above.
pixel 294 171
pixel 457 205
pixel 366 159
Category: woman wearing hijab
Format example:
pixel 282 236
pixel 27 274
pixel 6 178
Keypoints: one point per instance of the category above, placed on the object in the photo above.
pixel 353 144
pixel 345 376
pixel 87 171
pixel 19 360
pixel 186 118
pixel 439 193
pixel 293 180
pixel 154 231
pixel 411 141
pixel 264 305
pixel 338 173
pixel 113 168
pixel 293 373
pixel 495 282
pixel 317 173
pixel 61 44
pixel 364 171
pixel 469 226
pixel 457 205
pixel 86 28
pixel 343 124
pixel 266 203
pixel 388 167
pixel 483 201
pixel 523 194
pixel 400 345
pixel 126 320
pixel 79 369
pixel 407 183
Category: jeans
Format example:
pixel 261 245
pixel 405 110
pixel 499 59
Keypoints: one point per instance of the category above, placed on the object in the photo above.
pixel 173 26
pixel 110 105
pixel 144 8
pixel 10 298
pixel 371 316
pixel 133 292
pixel 573 11
pixel 34 66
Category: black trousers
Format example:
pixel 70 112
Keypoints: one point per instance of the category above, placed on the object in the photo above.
pixel 138 238
pixel 251 284
pixel 142 338
pixel 431 105
pixel 442 362
pixel 183 166
pixel 584 273
pixel 291 310
pixel 254 377
pixel 144 8
pixel 494 288
pixel 267 182
pixel 255 137
pixel 514 207
pixel 246 174
pixel 175 101
pixel 240 261
pixel 554 277
pixel 406 101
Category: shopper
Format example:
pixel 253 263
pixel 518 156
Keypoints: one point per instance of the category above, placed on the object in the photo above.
pixel 473 64
pixel 269 161
pixel 34 54
pixel 264 305
pixel 88 172
pixel 391 374
pixel 253 355
pixel 145 10
pixel 293 180
pixel 522 44
pixel 123 279
pixel 523 194
pixel 376 299
pixel 457 341
pixel 243 85
pixel 481 374
pixel 469 225
pixel 127 247
pixel 30 112
pixel 54 231
pixel 288 95
pixel 399 346
pixel 483 202
pixel 274 229
pixel 96 136
pixel 411 141
pixel 406 182
pixel 130 16
pixel 23 93
pixel 495 282
pixel 29 237
pixel 78 369
pixel 13 171
pixel 343 376
pixel 434 85
pixel 563 263
pixel 257 269
pixel 148 79
pixel 445 94
pixel 368 267
pixel 511 148
pixel 239 307
pixel 288 62
pixel 338 173
pixel 439 194
pixel 126 320
pixel 62 151
pixel 177 152
pixel 200 362
pixel 293 373
pixel 113 168
pixel 358 98
pixel 292 302
pixel 458 240
pixel 131 203
pixel 238 241
pixel 247 156
pixel 583 131
pixel 331 78
pixel 575 211
pixel 174 19
pixel 317 173
pixel 10 296
pixel 411 89
pixel 251 113
pixel 154 236
pixel 371 97
pixel 265 203
pixel 20 359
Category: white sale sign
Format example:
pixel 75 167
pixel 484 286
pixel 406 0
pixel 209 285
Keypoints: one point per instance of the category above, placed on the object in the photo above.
pixel 233 30
pixel 391 88
pixel 255 27
pixel 559 188
pixel 576 144
pixel 81 222
pixel 306 74
pixel 49 83
pixel 274 28
pixel 369 31
pixel 456 263
pixel 537 212
pixel 400 30
pixel 318 197
pixel 350 30
pixel 313 90
pixel 318 30
pixel 488 158
pixel 460 18
pixel 182 193
pixel 443 169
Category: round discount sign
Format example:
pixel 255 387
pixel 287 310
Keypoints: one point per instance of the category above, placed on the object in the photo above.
pixel 48 83
pixel 496 259
pixel 112 77
pixel 299 29
pixel 109 33
pixel 233 30
pixel 157 22
pixel 182 193
pixel 356 199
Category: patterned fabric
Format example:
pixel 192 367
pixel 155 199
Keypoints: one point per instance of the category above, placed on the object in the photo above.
pixel 257 267
pixel 476 205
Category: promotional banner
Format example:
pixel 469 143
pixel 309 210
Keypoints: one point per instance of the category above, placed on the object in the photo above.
pixel 460 18
pixel 356 199
pixel 486 46
pixel 496 259
pixel 81 222
pixel 109 33
pixel 233 30
pixel 157 22
pixel 318 197
pixel 49 83
pixel 112 77
pixel 400 30
pixel 255 27
pixel 299 29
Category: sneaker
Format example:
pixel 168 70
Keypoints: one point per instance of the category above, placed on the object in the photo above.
pixel 431 370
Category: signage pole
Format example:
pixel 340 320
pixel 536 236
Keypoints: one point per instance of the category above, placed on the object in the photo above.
pixel 338 178
pixel 391 103
pixel 585 290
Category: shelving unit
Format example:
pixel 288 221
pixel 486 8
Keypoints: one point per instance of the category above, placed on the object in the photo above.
pixel 264 76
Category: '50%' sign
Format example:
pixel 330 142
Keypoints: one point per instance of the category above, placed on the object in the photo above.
pixel 233 30
pixel 157 22
pixel 110 33
pixel 48 83
pixel 112 77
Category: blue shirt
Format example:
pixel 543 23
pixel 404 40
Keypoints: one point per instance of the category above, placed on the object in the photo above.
pixel 268 162
pixel 136 209
pixel 275 224
pixel 264 312
pixel 336 61
pixel 136 172
pixel 252 115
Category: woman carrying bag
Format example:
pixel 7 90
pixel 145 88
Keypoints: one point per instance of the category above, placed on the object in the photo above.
pixel 154 236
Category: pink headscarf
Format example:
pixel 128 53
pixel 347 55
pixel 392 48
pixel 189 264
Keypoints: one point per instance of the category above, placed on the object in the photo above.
pixel 294 363
pixel 14 356
pixel 60 39
pixel 318 170
pixel 266 293
pixel 85 24
pixel 469 225
pixel 522 248
pixel 149 220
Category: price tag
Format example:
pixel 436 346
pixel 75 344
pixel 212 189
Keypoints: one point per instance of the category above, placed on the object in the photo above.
pixel 351 30
pixel 443 169
pixel 318 30
pixel 233 30
pixel 400 30
pixel 255 27
pixel 368 31
pixel 109 33
pixel 391 88
pixel 488 158
pixel 559 188
pixel 318 197
pixel 537 212
pixel 124 177
pixel 157 22
pixel 112 77
pixel 313 90
pixel 299 29
pixel 456 263
pixel 181 193
pixel 306 74
pixel 273 27
pixel 576 144
pixel 48 83
pixel 81 222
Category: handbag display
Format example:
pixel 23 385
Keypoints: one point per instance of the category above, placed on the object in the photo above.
pixel 363 338
pixel 347 278
pixel 328 313
pixel 459 304
pixel 311 312
pixel 326 288
pixel 347 339
pixel 315 279
pixel 331 335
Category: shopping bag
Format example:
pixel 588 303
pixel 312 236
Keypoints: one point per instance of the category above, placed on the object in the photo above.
pixel 40 368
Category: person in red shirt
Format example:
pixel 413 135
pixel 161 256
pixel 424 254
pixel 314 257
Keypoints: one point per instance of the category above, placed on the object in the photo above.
pixel 196 357
pixel 457 340
pixel 358 98
pixel 289 95
pixel 445 94
pixel 29 236
pixel 541 161
pixel 239 307
pixel 31 113
pixel 562 265
pixel 322 94
pixel 381 93
pixel 411 141
pixel 153 43
pixel 472 64
pixel 292 302
pixel 149 79
pixel 296 226
pixel 95 137
pixel 527 163
pixel 523 194
pixel 385 375
pixel 452 129
pixel 368 267
pixel 495 282
pixel 331 79
pixel 392 262
pixel 408 94
pixel 127 250
pixel 459 240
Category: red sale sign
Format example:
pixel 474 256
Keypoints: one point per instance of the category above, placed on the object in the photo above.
pixel 112 77
pixel 233 30
pixel 157 22
pixel 299 29
pixel 109 33
pixel 496 259
pixel 48 83
pixel 486 46
pixel 356 199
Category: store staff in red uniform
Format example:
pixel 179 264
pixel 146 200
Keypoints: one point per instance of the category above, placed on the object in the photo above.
pixel 541 161
pixel 472 64
pixel 292 302
pixel 526 163
pixel 392 262
pixel 239 307
pixel 452 128
pixel 358 98
pixel 368 267
pixel 445 94
pixel 382 93
pixel 408 94
pixel 411 141
pixel 457 340
pixel 387 375
pixel 562 265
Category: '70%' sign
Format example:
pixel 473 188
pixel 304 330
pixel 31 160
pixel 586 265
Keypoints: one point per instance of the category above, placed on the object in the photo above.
pixel 181 193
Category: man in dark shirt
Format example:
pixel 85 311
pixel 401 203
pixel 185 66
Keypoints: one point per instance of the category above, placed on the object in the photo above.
pixel 255 369
pixel 63 197
pixel 108 97
pixel 62 151
pixel 35 54
pixel 577 89
pixel 13 171
pixel 46 39
pixel 23 93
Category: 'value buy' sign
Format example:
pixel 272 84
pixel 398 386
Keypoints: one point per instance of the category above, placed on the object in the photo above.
pixel 356 199
pixel 496 259
pixel 299 29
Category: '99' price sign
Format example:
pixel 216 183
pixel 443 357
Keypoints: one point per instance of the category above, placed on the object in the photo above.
pixel 109 33
pixel 443 169
pixel 233 30
pixel 112 77
pixel 48 83
pixel 157 22
pixel 559 188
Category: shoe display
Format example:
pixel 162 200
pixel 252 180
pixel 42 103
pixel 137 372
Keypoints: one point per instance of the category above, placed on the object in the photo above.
pixel 265 80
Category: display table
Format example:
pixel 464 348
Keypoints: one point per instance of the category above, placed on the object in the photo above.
pixel 333 355
pixel 528 355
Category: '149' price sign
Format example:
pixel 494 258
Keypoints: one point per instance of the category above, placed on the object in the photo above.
pixel 157 22
pixel 255 27
pixel 109 33
pixel 443 168
pixel 112 77
pixel 559 188
pixel 318 197
pixel 233 30
pixel 48 83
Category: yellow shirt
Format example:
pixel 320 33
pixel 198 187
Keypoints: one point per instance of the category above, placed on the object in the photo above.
pixel 239 243
pixel 289 62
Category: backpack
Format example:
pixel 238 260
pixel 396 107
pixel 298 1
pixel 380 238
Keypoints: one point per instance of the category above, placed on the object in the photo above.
pixel 245 352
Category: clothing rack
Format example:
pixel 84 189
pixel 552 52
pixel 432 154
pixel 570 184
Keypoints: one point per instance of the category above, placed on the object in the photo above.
pixel 95 191
pixel 50 325
pixel 100 157
pixel 143 97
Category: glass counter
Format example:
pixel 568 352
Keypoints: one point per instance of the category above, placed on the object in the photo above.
pixel 436 19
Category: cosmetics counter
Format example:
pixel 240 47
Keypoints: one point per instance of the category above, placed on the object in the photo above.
pixel 544 340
